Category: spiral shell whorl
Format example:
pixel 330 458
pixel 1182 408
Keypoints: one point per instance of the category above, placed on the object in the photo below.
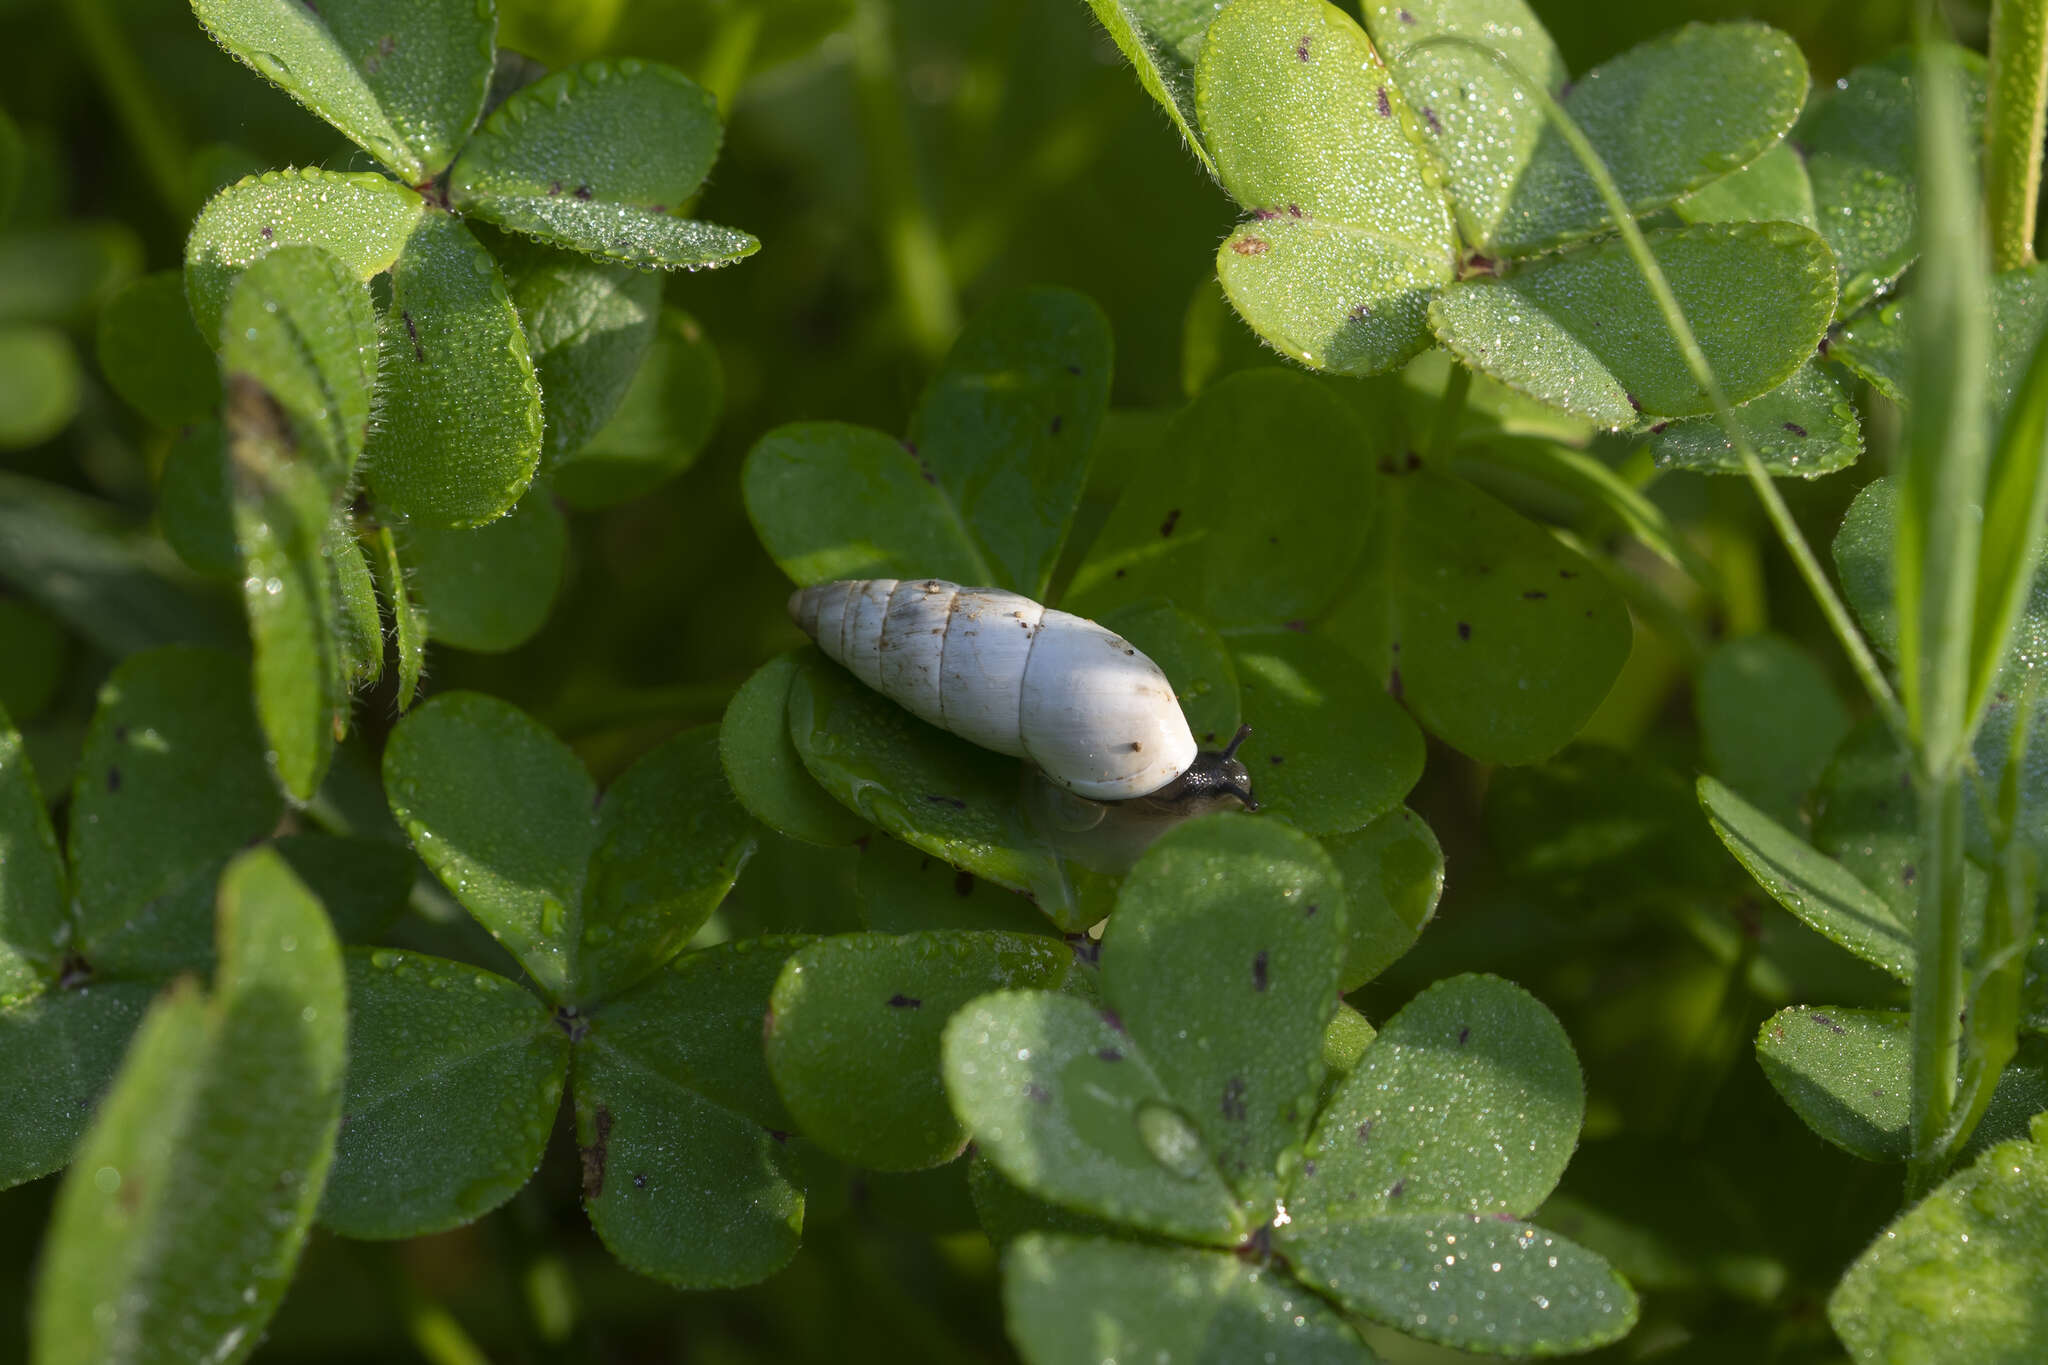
pixel 1098 716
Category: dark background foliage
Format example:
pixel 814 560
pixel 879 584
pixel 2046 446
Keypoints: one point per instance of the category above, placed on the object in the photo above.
pixel 997 142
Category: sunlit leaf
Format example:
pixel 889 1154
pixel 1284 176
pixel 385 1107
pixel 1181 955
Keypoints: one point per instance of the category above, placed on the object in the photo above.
pixel 1581 331
pixel 404 79
pixel 1059 1100
pixel 1490 129
pixel 1858 146
pixel 364 220
pixel 282 509
pixel 1666 117
pixel 408 620
pixel 1805 427
pixel 1965 1272
pixel 177 1231
pixel 567 159
pixel 1349 237
pixel 459 431
pixel 1772 188
pixel 1479 1284
pixel 1469 1101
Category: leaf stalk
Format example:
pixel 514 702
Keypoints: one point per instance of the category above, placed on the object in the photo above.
pixel 2014 123
pixel 1853 644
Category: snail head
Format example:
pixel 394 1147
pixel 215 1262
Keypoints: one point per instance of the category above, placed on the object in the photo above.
pixel 1216 780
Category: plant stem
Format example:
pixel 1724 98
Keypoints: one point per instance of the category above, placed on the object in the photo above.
pixel 1991 1033
pixel 1937 577
pixel 1937 979
pixel 917 262
pixel 1860 656
pixel 144 114
pixel 2013 127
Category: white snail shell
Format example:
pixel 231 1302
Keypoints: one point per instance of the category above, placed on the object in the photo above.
pixel 1096 716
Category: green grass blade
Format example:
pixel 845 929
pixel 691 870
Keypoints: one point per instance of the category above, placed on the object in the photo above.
pixel 1938 531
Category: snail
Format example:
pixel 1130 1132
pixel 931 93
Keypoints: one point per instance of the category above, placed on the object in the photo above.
pixel 1096 716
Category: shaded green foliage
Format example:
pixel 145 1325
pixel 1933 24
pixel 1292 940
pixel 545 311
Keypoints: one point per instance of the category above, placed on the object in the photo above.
pixel 370 590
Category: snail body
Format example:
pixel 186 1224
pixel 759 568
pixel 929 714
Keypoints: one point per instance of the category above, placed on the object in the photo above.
pixel 1096 716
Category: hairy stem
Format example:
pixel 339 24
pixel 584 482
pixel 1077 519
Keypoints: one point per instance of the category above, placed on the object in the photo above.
pixel 1853 643
pixel 1937 979
pixel 1991 1033
pixel 2013 127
